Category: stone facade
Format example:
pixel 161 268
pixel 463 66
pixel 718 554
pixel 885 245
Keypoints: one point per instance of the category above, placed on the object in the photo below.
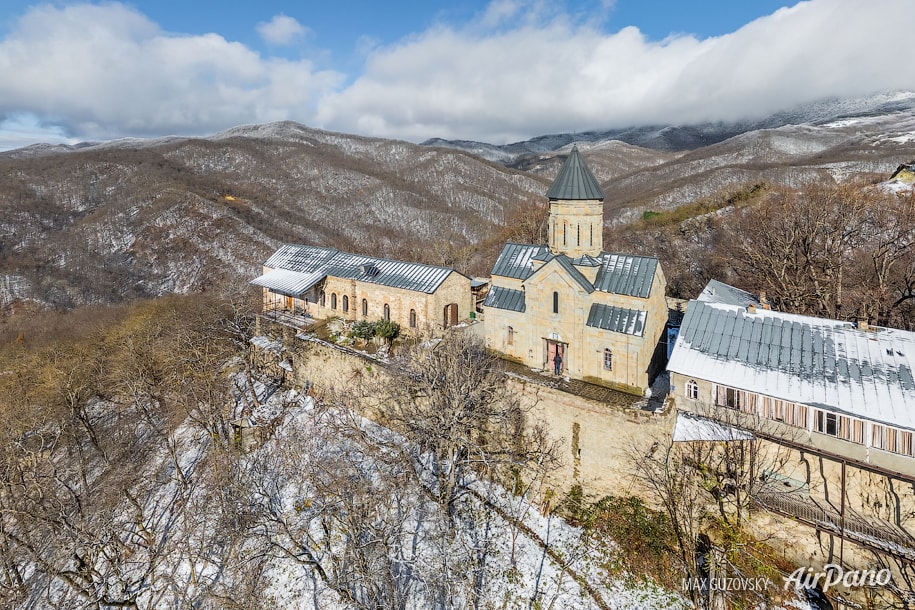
pixel 605 314
pixel 418 297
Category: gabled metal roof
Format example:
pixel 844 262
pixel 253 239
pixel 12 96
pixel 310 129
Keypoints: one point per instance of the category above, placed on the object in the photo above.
pixel 814 361
pixel 300 258
pixel 617 319
pixel 505 298
pixel 719 292
pixel 330 262
pixel 289 283
pixel 626 274
pixel 575 181
pixel 515 260
pixel 586 260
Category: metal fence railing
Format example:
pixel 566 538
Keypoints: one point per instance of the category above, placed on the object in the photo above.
pixel 855 527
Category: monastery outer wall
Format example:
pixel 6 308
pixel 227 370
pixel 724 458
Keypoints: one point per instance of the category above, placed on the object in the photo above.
pixel 595 439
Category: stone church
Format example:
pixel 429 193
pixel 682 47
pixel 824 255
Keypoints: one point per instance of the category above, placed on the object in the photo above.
pixel 568 305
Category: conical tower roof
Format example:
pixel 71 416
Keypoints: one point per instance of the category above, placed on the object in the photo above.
pixel 575 181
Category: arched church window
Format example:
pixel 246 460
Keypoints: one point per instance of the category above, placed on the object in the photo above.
pixel 333 300
pixel 365 307
pixel 412 318
pixel 555 302
pixel 577 235
pixel 564 225
pixel 387 312
pixel 322 299
pixel 345 303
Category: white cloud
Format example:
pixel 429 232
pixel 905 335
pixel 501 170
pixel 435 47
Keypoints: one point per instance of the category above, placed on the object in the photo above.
pixel 281 30
pixel 102 71
pixel 519 70
pixel 502 85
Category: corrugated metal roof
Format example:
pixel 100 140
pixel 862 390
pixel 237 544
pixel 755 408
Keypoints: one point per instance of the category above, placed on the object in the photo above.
pixel 626 274
pixel 586 260
pixel 617 319
pixel 719 292
pixel 300 258
pixel 290 283
pixel 505 298
pixel 813 361
pixel 515 260
pixel 397 274
pixel 575 181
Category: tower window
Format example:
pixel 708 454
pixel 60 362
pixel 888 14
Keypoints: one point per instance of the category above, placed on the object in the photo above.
pixel 365 307
pixel 577 235
pixel 555 302
pixel 608 359
pixel 564 225
pixel 387 312
pixel 412 318
pixel 345 303
pixel 333 300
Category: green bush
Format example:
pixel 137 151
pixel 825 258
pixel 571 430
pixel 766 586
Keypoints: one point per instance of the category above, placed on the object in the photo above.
pixel 363 329
pixel 387 329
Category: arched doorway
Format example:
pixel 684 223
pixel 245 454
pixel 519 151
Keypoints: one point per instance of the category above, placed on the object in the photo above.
pixel 450 317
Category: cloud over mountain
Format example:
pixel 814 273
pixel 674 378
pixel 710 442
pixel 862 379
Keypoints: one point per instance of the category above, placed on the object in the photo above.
pixel 101 71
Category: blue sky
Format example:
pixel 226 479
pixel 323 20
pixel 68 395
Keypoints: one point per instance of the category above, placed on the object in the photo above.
pixel 496 71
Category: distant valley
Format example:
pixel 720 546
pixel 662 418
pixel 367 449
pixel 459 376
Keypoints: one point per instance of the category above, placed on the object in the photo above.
pixel 107 222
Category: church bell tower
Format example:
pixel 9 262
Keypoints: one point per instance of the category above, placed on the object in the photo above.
pixel 576 210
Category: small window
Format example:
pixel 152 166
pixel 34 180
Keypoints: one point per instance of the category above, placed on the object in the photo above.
pixel 333 300
pixel 387 312
pixel 365 307
pixel 345 303
pixel 608 359
pixel 827 423
pixel 577 235
pixel 511 336
pixel 555 302
pixel 412 318
pixel 322 299
pixel 564 225
pixel 692 390
pixel 732 398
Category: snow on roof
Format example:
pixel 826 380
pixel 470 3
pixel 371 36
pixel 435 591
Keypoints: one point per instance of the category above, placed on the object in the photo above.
pixel 290 283
pixel 814 361
pixel 719 292
pixel 692 428
pixel 505 298
pixel 312 261
pixel 626 274
pixel 617 319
